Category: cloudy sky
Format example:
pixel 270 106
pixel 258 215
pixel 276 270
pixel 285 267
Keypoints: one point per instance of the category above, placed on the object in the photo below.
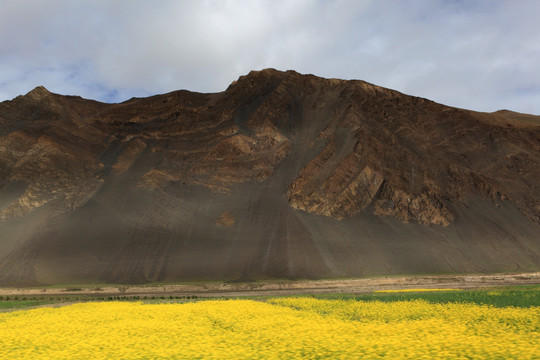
pixel 482 55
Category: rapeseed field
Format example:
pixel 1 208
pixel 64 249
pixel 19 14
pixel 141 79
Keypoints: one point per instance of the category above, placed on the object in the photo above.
pixel 279 328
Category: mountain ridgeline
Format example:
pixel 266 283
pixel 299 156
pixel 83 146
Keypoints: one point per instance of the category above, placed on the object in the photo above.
pixel 281 176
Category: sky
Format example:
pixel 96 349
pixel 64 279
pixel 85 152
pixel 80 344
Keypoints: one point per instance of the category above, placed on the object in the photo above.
pixel 479 55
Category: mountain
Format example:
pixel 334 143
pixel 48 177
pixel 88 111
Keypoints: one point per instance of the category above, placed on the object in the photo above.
pixel 282 175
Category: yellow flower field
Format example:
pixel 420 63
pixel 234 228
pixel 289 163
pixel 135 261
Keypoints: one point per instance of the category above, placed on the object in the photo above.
pixel 283 328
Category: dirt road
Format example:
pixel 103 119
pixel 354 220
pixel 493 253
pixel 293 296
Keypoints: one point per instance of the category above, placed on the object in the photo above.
pixel 268 288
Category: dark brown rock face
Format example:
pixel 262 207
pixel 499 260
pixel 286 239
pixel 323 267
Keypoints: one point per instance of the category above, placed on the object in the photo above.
pixel 280 176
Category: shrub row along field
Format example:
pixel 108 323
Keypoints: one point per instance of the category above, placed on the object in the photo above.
pixel 21 302
pixel 280 328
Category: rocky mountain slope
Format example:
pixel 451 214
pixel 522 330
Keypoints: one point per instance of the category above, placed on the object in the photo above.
pixel 282 175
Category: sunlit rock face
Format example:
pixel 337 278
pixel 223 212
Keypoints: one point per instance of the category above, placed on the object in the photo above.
pixel 282 175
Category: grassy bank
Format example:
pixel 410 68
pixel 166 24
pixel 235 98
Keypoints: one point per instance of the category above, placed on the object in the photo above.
pixel 518 296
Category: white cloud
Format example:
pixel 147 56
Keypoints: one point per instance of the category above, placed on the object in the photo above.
pixel 473 54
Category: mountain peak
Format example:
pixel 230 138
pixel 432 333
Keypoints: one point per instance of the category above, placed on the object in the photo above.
pixel 38 93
